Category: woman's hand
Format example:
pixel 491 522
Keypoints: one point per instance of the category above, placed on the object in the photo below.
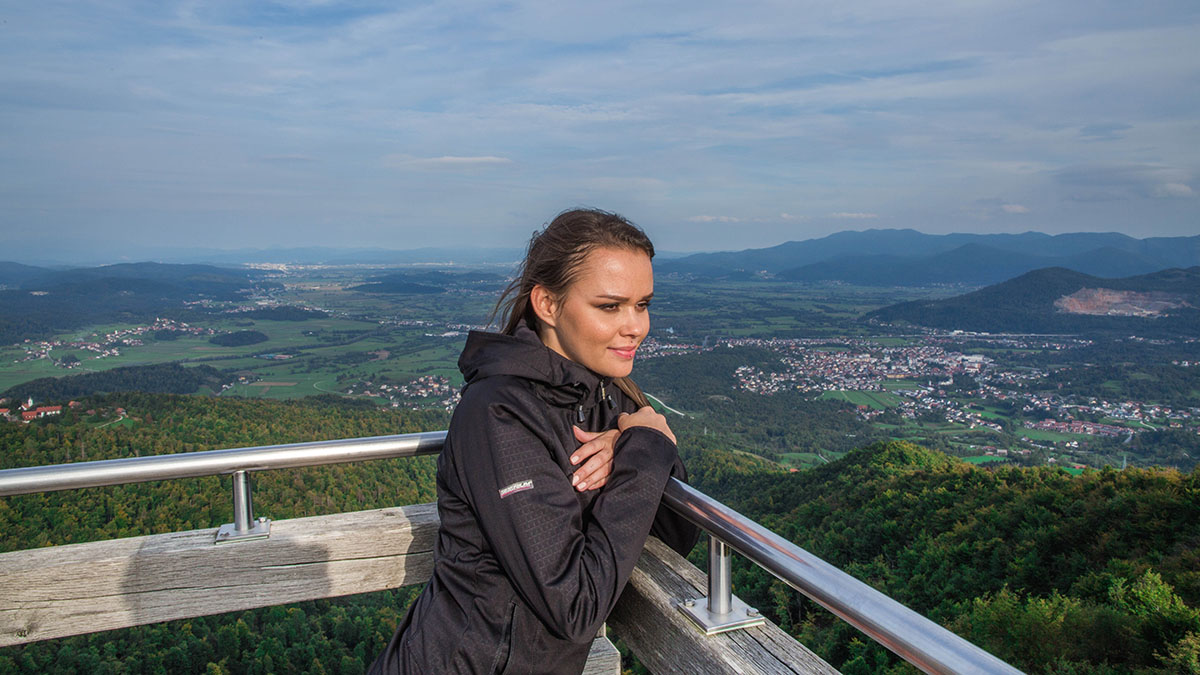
pixel 646 417
pixel 597 449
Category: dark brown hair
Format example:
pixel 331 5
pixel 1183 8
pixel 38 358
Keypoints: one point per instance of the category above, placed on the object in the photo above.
pixel 553 259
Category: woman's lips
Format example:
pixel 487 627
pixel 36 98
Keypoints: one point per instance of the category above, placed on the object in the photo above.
pixel 625 353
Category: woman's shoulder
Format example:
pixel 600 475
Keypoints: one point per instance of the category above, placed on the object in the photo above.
pixel 509 391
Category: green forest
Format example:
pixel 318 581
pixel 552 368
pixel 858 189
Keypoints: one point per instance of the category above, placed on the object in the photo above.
pixel 1097 573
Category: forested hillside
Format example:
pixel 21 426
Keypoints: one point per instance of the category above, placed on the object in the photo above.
pixel 164 378
pixel 1054 573
pixel 1095 573
pixel 327 636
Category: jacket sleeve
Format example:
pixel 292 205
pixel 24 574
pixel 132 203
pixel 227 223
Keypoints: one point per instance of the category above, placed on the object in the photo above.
pixel 673 529
pixel 568 567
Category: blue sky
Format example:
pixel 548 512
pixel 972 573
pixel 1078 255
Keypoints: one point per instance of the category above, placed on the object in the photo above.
pixel 126 126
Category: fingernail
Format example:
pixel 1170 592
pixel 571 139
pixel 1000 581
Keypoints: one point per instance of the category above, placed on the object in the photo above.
pixel 574 480
pixel 582 487
pixel 574 459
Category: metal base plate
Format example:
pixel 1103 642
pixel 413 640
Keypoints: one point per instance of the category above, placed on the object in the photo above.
pixel 260 530
pixel 740 615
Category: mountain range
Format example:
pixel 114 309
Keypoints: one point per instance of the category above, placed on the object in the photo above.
pixel 910 258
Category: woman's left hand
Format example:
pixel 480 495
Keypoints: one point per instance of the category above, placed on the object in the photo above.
pixel 596 454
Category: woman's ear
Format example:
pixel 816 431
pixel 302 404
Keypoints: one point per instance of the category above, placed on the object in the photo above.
pixel 544 304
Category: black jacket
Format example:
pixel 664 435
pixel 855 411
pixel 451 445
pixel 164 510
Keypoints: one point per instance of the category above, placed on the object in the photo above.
pixel 526 569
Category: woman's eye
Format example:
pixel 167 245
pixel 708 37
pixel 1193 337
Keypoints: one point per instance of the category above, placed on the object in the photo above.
pixel 644 305
pixel 609 307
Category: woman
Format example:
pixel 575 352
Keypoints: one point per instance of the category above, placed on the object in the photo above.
pixel 553 467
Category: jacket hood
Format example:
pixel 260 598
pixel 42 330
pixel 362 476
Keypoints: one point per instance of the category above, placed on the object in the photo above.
pixel 523 355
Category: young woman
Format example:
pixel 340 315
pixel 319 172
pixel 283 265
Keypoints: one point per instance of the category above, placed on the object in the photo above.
pixel 553 468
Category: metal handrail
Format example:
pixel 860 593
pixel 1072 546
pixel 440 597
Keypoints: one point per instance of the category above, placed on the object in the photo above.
pixel 100 473
pixel 914 638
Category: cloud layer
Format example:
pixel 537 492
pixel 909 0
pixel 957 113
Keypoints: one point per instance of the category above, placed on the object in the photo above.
pixel 252 124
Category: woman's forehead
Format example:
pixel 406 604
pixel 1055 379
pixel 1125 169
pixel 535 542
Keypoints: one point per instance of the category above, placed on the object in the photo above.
pixel 610 271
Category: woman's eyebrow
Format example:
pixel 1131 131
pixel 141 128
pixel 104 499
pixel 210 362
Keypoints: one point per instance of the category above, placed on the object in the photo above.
pixel 621 298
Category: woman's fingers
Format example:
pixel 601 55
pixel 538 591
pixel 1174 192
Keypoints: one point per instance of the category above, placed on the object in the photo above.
pixel 646 417
pixel 596 454
pixel 584 436
pixel 595 471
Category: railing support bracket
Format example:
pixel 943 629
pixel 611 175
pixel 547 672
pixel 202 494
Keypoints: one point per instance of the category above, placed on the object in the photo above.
pixel 721 611
pixel 740 615
pixel 244 526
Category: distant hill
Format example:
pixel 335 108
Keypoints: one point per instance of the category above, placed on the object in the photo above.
pixel 908 257
pixel 14 274
pixel 1058 300
pixel 54 300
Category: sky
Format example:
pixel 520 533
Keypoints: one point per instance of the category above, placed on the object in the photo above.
pixel 128 127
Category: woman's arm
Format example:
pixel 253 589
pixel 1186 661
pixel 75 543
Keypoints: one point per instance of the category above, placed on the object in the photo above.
pixel 568 568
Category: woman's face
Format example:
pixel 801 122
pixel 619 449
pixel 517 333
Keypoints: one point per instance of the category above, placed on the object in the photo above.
pixel 603 316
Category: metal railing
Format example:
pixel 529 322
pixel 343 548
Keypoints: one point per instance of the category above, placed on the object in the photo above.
pixel 916 639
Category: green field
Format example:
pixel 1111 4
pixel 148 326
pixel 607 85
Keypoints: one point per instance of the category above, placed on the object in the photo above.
pixel 902 385
pixel 1044 435
pixel 983 459
pixel 878 400
pixel 802 460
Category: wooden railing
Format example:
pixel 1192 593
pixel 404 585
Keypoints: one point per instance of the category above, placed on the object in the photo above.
pixel 253 562
pixel 81 588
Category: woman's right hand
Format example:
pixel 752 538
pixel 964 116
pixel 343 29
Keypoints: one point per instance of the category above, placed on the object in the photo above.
pixel 646 417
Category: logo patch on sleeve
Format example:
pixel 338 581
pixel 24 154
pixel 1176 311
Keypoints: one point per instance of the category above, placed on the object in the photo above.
pixel 520 486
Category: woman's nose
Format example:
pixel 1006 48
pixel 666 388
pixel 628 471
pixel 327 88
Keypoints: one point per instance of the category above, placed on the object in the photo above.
pixel 635 324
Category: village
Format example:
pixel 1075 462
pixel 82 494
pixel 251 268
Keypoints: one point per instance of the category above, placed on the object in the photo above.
pixel 107 345
pixel 426 391
pixel 848 364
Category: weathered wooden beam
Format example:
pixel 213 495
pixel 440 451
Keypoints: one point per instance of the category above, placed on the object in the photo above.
pixel 647 618
pixel 59 591
pixel 83 588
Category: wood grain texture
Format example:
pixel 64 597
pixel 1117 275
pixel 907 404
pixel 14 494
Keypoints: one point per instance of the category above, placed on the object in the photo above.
pixel 647 618
pixel 603 658
pixel 83 588
pixel 59 591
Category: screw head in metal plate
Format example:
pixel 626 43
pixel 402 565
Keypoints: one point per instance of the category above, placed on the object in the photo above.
pixel 750 611
pixel 689 603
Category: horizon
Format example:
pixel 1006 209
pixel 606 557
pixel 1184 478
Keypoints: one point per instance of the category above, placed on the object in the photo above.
pixel 134 126
pixel 168 255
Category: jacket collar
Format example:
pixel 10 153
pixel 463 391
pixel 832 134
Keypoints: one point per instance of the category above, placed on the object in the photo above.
pixel 523 355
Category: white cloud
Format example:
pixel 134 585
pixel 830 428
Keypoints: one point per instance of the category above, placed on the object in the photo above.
pixel 846 215
pixel 714 219
pixel 445 162
pixel 1174 190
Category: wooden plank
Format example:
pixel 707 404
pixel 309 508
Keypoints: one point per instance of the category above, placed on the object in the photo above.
pixel 603 658
pixel 83 588
pixel 647 618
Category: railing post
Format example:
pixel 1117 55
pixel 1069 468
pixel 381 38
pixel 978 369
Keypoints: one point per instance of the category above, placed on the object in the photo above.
pixel 720 576
pixel 722 611
pixel 244 527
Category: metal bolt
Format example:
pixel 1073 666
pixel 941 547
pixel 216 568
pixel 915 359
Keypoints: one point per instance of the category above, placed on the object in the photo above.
pixel 689 603
pixel 750 611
